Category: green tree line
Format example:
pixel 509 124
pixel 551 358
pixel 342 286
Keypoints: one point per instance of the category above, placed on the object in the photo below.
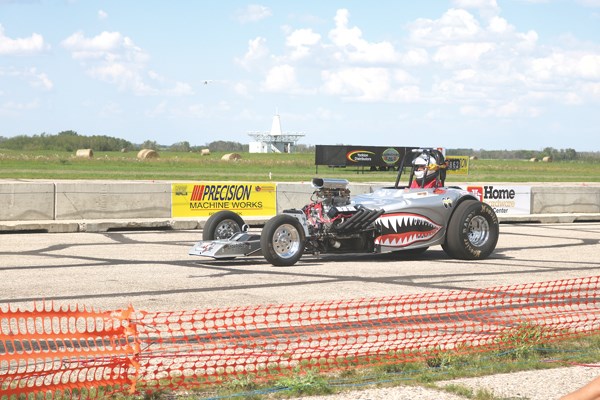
pixel 554 154
pixel 71 141
pixel 65 141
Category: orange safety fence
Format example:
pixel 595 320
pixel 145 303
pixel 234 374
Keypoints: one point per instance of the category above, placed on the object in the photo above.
pixel 80 353
pixel 66 350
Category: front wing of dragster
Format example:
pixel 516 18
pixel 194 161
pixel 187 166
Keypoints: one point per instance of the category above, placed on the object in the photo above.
pixel 240 244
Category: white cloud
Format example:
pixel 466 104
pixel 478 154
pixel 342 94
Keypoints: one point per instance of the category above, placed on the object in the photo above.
pixel 102 15
pixel 403 77
pixel 160 109
pixel 155 76
pixel 486 8
pixel 126 77
pixel 109 46
pixel 249 115
pixel 526 41
pixel 487 66
pixel 114 58
pixel 22 46
pixel 475 3
pixel 110 110
pixel 360 84
pixel 346 48
pixel 590 3
pixel 573 99
pixel 253 13
pixel 196 111
pixel 326 114
pixel 39 79
pixel 241 89
pixel 478 62
pixel 591 88
pixel 455 25
pixel 257 50
pixel 509 109
pixel 565 64
pixel 462 54
pixel 31 75
pixel 12 108
pixel 180 89
pixel 193 110
pixel 280 78
pixel 415 57
pixel 350 46
pixel 499 25
pixel 449 90
pixel 588 66
pixel 406 94
pixel 301 41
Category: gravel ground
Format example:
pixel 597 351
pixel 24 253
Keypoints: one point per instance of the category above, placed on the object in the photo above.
pixel 527 385
pixel 395 393
pixel 152 271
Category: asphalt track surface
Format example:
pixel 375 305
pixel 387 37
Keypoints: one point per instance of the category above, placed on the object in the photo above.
pixel 151 270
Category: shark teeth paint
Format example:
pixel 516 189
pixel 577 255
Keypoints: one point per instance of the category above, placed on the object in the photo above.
pixel 403 229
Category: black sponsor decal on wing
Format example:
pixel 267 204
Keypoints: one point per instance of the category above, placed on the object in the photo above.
pixel 403 229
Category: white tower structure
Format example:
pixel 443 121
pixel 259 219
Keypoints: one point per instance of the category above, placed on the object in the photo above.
pixel 275 141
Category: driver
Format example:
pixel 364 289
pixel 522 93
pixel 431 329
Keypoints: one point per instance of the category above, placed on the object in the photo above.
pixel 426 172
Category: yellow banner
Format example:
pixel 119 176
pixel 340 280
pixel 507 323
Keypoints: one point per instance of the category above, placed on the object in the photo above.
pixel 203 199
pixel 458 165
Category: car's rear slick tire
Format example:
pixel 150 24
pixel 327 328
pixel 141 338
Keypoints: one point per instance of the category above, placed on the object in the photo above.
pixel 222 225
pixel 473 231
pixel 282 240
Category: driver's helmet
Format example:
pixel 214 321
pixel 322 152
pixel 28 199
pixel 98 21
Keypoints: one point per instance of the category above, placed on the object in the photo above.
pixel 425 167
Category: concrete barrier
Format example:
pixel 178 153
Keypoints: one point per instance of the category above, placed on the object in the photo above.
pixel 110 200
pixel 572 199
pixel 26 201
pixel 97 206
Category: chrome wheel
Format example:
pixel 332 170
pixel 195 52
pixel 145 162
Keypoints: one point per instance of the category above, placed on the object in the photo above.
pixel 478 231
pixel 282 240
pixel 226 229
pixel 286 241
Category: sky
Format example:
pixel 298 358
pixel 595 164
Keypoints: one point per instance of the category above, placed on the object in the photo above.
pixel 479 74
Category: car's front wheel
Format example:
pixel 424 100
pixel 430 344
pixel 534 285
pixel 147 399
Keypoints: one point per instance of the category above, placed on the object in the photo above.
pixel 473 231
pixel 282 240
pixel 222 225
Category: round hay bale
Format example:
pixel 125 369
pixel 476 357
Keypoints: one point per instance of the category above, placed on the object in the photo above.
pixel 533 159
pixel 547 159
pixel 84 153
pixel 231 157
pixel 205 152
pixel 474 158
pixel 142 154
pixel 146 154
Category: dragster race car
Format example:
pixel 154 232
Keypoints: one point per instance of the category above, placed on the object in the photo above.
pixel 406 219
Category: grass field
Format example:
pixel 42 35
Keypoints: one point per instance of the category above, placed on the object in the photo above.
pixel 171 166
